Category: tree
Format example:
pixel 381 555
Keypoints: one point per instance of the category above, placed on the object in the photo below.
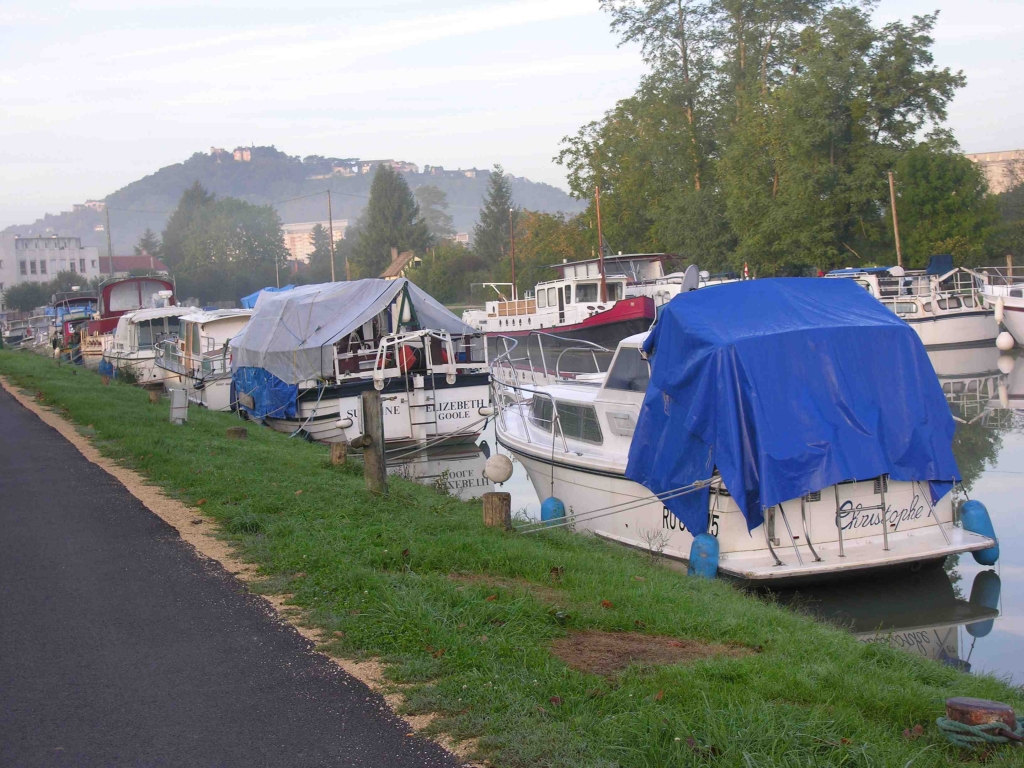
pixel 24 297
pixel 943 205
pixel 391 220
pixel 193 202
pixel 491 234
pixel 433 204
pixel 148 245
pixel 1008 234
pixel 223 248
pixel 448 271
pixel 320 258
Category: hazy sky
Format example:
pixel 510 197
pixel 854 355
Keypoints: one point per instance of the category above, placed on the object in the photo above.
pixel 97 93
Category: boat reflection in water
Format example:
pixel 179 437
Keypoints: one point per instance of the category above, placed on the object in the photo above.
pixel 925 615
pixel 458 470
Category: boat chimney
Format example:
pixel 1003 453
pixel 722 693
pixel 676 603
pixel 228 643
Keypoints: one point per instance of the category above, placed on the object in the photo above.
pixel 394 255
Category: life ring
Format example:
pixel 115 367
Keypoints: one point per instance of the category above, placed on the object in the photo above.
pixel 406 358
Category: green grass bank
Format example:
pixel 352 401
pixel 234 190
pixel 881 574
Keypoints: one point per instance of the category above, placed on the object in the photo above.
pixel 465 616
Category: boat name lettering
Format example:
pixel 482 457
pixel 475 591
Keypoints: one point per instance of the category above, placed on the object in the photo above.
pixel 855 516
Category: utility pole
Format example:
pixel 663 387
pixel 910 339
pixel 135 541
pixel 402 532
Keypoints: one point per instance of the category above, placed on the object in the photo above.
pixel 330 224
pixel 600 244
pixel 895 221
pixel 512 248
pixel 110 249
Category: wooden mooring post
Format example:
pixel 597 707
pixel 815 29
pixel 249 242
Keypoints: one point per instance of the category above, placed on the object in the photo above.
pixel 498 510
pixel 154 395
pixel 375 468
pixel 339 452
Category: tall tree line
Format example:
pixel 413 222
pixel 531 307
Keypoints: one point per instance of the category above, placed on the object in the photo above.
pixel 765 131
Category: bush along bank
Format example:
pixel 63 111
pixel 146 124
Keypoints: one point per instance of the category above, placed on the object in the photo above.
pixel 549 650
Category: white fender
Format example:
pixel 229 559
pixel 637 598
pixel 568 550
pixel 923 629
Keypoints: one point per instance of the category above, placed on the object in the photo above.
pixel 999 310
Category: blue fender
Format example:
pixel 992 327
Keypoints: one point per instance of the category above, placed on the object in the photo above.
pixel 703 557
pixel 551 509
pixel 975 518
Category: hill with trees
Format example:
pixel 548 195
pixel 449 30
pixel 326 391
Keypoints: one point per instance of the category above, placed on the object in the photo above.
pixel 269 176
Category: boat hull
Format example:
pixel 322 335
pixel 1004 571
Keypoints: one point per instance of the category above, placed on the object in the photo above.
pixel 917 534
pixel 956 328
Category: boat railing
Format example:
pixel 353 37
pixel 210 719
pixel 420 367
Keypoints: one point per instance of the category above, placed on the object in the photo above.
pixel 549 366
pixel 1000 277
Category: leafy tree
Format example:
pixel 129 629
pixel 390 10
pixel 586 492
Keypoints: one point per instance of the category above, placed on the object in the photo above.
pixel 433 204
pixel 193 202
pixel 148 245
pixel 942 204
pixel 391 220
pixel 1008 234
pixel 220 249
pixel 24 297
pixel 491 234
pixel 448 271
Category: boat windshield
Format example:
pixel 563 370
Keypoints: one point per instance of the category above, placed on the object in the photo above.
pixel 630 372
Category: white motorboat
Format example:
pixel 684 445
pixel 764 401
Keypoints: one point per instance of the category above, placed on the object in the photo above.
pixel 117 297
pixel 1003 293
pixel 135 342
pixel 943 303
pixel 199 358
pixel 575 437
pixel 306 356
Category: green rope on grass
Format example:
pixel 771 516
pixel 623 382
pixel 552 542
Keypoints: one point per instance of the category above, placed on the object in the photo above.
pixel 964 735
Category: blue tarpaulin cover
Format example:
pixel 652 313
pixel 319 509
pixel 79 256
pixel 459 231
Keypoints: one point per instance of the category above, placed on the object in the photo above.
pixel 248 302
pixel 271 396
pixel 787 386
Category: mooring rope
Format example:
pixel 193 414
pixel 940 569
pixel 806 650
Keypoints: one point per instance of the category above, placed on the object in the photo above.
pixel 964 735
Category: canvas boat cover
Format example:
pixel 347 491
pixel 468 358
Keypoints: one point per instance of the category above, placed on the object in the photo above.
pixel 291 333
pixel 787 386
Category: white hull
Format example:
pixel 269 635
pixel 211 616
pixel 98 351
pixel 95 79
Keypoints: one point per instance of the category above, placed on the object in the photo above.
pixel 966 327
pixel 214 395
pixel 915 533
pixel 142 365
pixel 451 415
pixel 1013 319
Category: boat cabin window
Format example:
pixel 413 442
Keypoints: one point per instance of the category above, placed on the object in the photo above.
pixel 579 422
pixel 630 372
pixel 614 291
pixel 542 412
pixel 968 301
pixel 197 344
pixel 552 297
pixel 586 292
pixel 905 308
pixel 951 303
pixel 542 298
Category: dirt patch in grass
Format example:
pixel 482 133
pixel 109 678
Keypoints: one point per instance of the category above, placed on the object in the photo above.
pixel 608 653
pixel 545 593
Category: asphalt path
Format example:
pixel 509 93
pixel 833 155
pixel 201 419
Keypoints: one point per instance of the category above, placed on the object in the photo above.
pixel 120 646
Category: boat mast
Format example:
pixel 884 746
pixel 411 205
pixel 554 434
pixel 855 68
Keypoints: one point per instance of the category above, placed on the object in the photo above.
pixel 512 251
pixel 600 244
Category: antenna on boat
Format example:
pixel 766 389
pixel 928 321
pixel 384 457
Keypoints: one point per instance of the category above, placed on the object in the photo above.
pixel 600 244
pixel 895 221
pixel 512 252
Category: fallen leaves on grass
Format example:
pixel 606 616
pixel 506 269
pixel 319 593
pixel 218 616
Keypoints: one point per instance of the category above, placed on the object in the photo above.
pixel 607 653
pixel 913 733
pixel 200 502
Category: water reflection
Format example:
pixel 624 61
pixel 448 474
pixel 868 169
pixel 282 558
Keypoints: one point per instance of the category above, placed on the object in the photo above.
pixel 457 469
pixel 923 613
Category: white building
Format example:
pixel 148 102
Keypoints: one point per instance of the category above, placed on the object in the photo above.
pixel 297 236
pixel 39 259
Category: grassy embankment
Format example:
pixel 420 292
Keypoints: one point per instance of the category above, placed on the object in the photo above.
pixel 465 616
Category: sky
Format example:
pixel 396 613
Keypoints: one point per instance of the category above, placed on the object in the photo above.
pixel 95 94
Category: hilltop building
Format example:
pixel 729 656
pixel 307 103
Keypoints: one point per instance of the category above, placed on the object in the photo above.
pixel 38 259
pixel 1003 170
pixel 298 241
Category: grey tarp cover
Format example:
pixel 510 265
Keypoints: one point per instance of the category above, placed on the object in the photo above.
pixel 291 334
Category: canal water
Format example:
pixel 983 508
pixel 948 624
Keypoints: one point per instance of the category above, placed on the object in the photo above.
pixel 965 614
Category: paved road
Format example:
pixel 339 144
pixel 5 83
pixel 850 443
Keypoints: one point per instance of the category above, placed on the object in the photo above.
pixel 120 647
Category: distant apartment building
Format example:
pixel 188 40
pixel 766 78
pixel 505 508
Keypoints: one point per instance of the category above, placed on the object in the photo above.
pixel 298 240
pixel 38 259
pixel 90 205
pixel 242 155
pixel 461 238
pixel 1003 170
